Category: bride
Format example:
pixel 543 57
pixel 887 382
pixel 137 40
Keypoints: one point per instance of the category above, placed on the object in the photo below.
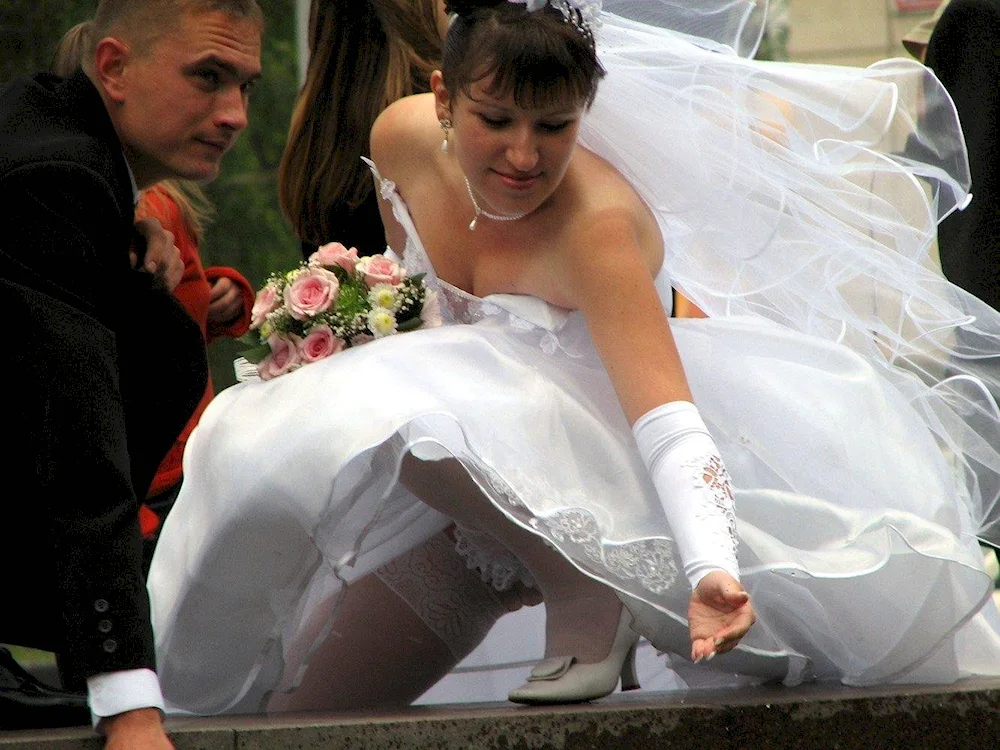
pixel 553 418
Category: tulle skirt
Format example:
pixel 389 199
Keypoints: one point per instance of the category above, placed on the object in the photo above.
pixel 861 560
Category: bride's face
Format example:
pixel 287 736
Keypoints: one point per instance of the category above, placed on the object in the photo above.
pixel 514 157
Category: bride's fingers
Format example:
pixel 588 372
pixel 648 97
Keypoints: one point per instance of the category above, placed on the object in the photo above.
pixel 721 641
pixel 702 648
pixel 725 598
pixel 727 638
pixel 737 597
pixel 729 601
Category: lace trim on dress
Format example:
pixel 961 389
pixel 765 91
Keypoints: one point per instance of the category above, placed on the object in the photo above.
pixel 649 561
pixel 652 563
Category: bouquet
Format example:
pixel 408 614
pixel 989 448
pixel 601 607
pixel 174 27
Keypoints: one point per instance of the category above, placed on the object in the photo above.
pixel 331 302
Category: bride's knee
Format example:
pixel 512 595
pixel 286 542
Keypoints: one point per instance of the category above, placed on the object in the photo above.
pixel 444 484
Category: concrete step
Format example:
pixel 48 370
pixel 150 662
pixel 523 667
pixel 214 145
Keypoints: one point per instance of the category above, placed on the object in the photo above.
pixel 956 717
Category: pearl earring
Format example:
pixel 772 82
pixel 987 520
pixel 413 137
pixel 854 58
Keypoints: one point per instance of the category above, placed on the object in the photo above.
pixel 446 127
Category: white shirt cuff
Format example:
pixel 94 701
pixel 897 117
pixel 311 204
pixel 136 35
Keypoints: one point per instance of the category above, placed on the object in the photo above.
pixel 111 693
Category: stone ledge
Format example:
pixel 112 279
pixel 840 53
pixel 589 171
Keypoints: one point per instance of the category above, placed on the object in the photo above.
pixel 965 715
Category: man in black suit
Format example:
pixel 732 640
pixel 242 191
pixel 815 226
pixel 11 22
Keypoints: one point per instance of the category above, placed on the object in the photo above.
pixel 107 367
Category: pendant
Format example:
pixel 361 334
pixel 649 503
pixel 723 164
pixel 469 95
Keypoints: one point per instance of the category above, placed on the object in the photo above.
pixel 472 224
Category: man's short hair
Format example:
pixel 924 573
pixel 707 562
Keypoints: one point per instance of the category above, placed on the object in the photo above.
pixel 141 22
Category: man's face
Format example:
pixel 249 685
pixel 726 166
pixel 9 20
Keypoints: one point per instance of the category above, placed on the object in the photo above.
pixel 184 100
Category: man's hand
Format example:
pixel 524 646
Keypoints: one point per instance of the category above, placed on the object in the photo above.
pixel 226 302
pixel 141 729
pixel 719 615
pixel 162 258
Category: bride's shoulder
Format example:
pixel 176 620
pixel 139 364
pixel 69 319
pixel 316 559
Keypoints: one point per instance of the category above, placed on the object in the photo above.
pixel 404 111
pixel 607 203
pixel 603 190
pixel 601 185
pixel 404 130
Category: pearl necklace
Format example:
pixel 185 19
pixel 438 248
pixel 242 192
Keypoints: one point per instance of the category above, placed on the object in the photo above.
pixel 480 212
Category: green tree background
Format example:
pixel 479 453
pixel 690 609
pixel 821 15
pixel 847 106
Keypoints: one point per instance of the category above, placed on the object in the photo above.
pixel 249 232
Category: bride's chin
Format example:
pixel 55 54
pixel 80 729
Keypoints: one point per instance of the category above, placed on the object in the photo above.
pixel 514 203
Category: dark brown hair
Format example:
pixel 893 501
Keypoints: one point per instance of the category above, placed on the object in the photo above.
pixel 539 58
pixel 364 55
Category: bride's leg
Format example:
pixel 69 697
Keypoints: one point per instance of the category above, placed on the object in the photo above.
pixel 581 613
pixel 398 631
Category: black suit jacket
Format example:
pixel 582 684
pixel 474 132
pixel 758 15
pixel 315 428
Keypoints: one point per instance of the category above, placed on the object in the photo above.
pixel 964 52
pixel 104 374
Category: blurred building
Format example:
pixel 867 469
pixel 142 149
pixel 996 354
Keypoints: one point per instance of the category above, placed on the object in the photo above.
pixel 852 32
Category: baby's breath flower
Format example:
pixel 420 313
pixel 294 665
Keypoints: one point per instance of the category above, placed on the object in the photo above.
pixel 381 322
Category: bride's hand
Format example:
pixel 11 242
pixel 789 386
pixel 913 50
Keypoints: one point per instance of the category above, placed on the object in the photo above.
pixel 719 615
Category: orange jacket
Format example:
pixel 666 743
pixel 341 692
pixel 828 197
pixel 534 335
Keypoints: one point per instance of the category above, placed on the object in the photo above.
pixel 194 293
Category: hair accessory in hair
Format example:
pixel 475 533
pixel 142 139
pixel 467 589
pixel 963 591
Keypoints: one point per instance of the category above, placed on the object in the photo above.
pixel 584 14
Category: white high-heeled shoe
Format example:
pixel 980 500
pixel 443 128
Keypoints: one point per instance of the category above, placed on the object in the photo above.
pixel 561 679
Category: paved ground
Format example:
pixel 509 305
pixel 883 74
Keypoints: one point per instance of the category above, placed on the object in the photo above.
pixel 810 717
pixel 966 715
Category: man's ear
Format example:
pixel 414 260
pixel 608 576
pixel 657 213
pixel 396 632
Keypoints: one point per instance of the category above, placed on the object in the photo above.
pixel 442 97
pixel 110 58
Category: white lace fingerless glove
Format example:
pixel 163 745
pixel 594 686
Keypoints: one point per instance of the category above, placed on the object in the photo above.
pixel 693 485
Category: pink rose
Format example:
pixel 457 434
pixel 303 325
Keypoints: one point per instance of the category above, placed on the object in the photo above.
pixel 377 269
pixel 311 292
pixel 284 357
pixel 335 254
pixel 267 302
pixel 319 343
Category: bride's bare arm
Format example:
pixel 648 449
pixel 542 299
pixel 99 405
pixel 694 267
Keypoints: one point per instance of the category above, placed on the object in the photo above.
pixel 608 279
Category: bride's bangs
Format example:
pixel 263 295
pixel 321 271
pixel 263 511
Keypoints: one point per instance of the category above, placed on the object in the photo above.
pixel 540 73
pixel 538 59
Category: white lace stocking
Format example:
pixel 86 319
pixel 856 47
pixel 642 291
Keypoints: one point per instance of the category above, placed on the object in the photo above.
pixel 451 600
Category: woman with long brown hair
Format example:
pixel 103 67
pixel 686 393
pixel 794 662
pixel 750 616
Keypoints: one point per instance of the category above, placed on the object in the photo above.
pixel 363 55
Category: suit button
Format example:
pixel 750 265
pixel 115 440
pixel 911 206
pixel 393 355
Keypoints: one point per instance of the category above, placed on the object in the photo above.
pixel 110 645
pixel 104 626
pixel 101 605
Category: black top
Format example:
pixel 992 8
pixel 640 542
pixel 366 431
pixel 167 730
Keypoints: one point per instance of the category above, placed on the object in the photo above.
pixel 360 227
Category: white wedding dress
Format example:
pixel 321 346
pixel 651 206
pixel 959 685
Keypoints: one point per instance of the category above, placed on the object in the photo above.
pixel 846 384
